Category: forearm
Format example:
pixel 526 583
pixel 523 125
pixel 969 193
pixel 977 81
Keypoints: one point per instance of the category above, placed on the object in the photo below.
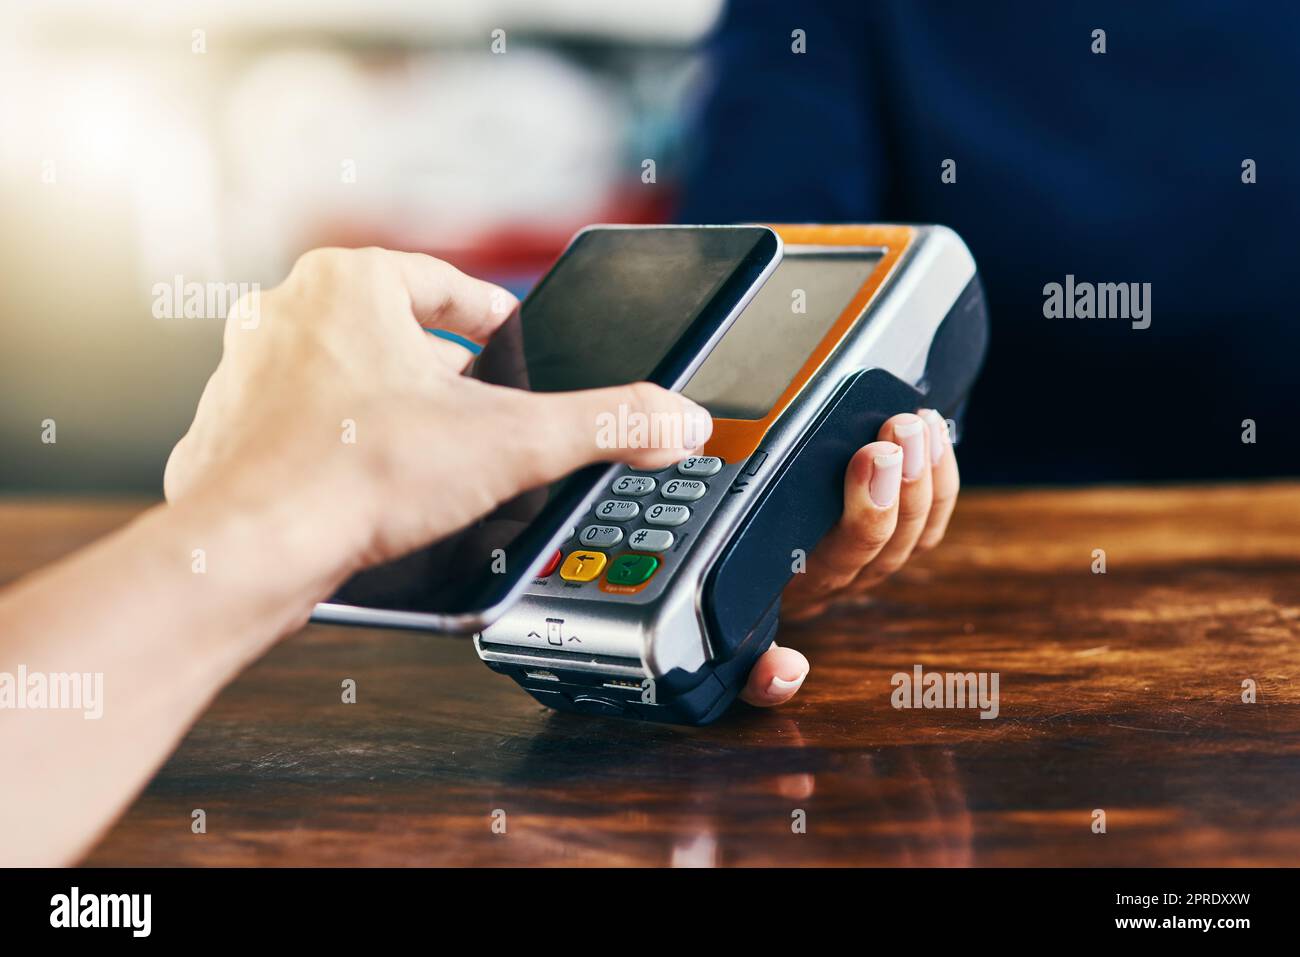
pixel 167 611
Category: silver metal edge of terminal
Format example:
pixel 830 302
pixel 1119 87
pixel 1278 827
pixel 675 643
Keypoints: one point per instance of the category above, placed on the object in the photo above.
pixel 339 614
pixel 620 636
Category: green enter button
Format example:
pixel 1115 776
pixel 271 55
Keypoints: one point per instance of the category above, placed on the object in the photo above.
pixel 631 569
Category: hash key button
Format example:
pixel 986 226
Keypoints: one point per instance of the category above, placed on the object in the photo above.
pixel 667 514
pixel 651 540
pixel 684 490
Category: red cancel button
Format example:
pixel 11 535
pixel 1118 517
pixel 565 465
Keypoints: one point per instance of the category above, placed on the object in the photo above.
pixel 550 565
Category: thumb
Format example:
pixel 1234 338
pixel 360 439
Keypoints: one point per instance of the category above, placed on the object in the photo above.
pixel 640 425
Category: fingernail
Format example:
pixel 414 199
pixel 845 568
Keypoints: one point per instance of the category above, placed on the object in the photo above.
pixel 886 477
pixel 911 436
pixel 780 688
pixel 938 434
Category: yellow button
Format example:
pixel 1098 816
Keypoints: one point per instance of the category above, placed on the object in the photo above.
pixel 583 566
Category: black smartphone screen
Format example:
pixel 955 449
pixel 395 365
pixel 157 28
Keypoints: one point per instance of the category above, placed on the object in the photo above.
pixel 622 304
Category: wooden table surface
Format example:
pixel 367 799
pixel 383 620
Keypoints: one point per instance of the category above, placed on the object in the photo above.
pixel 1120 692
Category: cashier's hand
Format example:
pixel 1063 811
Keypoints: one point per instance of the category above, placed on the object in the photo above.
pixel 333 406
pixel 899 493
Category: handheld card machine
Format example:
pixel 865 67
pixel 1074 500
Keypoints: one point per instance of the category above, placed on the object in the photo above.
pixel 669 587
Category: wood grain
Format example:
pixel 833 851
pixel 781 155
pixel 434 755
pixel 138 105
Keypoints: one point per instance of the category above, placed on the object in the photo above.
pixel 1119 692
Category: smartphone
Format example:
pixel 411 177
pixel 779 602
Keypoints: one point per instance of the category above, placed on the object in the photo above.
pixel 622 304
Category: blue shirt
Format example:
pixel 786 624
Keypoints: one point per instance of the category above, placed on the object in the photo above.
pixel 1122 166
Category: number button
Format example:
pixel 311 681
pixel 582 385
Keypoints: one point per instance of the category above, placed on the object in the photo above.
pixel 651 540
pixel 701 466
pixel 684 490
pixel 667 514
pixel 633 485
pixel 612 510
pixel 601 536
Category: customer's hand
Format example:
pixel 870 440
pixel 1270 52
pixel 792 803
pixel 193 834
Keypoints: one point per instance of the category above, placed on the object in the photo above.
pixel 899 493
pixel 333 404
pixel 335 433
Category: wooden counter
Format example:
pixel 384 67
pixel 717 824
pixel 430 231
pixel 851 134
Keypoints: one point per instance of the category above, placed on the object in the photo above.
pixel 1119 691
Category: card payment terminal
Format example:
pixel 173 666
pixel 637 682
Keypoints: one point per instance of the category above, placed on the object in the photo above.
pixel 669 588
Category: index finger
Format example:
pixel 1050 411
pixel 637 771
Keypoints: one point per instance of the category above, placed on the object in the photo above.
pixel 443 297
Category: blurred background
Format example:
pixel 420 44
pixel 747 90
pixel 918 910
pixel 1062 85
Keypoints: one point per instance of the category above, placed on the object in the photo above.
pixel 215 141
pixel 203 143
